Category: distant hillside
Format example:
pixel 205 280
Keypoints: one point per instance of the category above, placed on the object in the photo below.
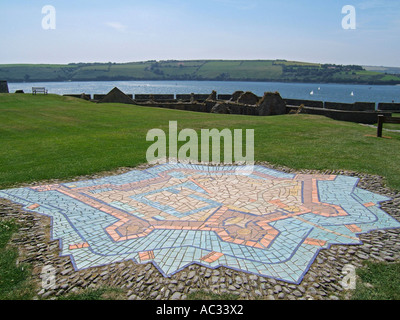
pixel 223 70
pixel 388 70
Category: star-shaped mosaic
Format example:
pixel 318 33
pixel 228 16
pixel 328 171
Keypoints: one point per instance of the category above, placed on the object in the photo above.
pixel 265 222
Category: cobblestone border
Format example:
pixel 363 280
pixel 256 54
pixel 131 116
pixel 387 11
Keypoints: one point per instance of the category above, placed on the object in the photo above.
pixel 144 282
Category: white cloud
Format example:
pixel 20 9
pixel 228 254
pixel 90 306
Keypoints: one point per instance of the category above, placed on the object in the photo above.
pixel 117 26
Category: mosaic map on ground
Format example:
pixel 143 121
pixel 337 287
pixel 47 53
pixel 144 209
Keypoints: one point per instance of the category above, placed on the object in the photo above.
pixel 267 222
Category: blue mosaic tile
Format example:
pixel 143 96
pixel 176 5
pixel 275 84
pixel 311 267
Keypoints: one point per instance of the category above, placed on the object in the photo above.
pixel 268 222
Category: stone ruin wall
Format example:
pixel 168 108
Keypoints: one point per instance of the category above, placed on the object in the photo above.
pixel 247 103
pixel 3 86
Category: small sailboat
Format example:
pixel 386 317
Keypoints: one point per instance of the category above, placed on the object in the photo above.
pixel 352 93
pixel 319 88
pixel 312 93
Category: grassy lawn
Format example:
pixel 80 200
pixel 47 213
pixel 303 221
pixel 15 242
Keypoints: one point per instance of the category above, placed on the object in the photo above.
pixel 48 137
pixel 378 281
pixel 14 279
pixel 54 137
pixel 104 293
pixel 392 126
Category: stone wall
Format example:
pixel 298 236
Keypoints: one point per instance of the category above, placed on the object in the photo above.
pixel 224 97
pixel 154 97
pixel 246 110
pixel 183 97
pixel 271 104
pixel 338 106
pixel 393 107
pixel 3 86
pixel 80 96
pixel 236 95
pixel 201 97
pixel 98 96
pixel 171 98
pixel 359 112
pixel 364 106
pixel 357 106
pixel 248 98
pixel 366 117
pixel 196 107
pixel 233 108
pixel 306 103
pixel 102 96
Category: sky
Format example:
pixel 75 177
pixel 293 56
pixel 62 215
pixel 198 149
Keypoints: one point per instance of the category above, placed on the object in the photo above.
pixel 129 30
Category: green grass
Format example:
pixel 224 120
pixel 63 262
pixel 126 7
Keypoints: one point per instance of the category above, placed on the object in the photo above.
pixel 391 126
pixel 14 279
pixel 296 63
pixel 105 293
pixel 378 281
pixel 49 137
pixel 238 69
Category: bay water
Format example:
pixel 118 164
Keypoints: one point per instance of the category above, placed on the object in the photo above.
pixel 346 93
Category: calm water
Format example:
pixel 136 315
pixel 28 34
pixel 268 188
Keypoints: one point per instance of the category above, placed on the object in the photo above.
pixel 324 92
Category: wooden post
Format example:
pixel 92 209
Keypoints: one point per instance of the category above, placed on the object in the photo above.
pixel 380 125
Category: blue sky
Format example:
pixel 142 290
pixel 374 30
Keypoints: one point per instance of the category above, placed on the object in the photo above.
pixel 124 31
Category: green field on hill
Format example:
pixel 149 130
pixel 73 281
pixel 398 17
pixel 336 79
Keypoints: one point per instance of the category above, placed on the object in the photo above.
pixel 55 137
pixel 223 70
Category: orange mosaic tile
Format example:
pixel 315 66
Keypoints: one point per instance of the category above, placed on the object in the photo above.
pixel 353 228
pixel 34 206
pixel 173 214
pixel 79 246
pixel 315 242
pixel 146 255
pixel 212 257
pixel 369 204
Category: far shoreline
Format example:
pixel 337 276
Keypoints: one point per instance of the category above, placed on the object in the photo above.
pixel 204 80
